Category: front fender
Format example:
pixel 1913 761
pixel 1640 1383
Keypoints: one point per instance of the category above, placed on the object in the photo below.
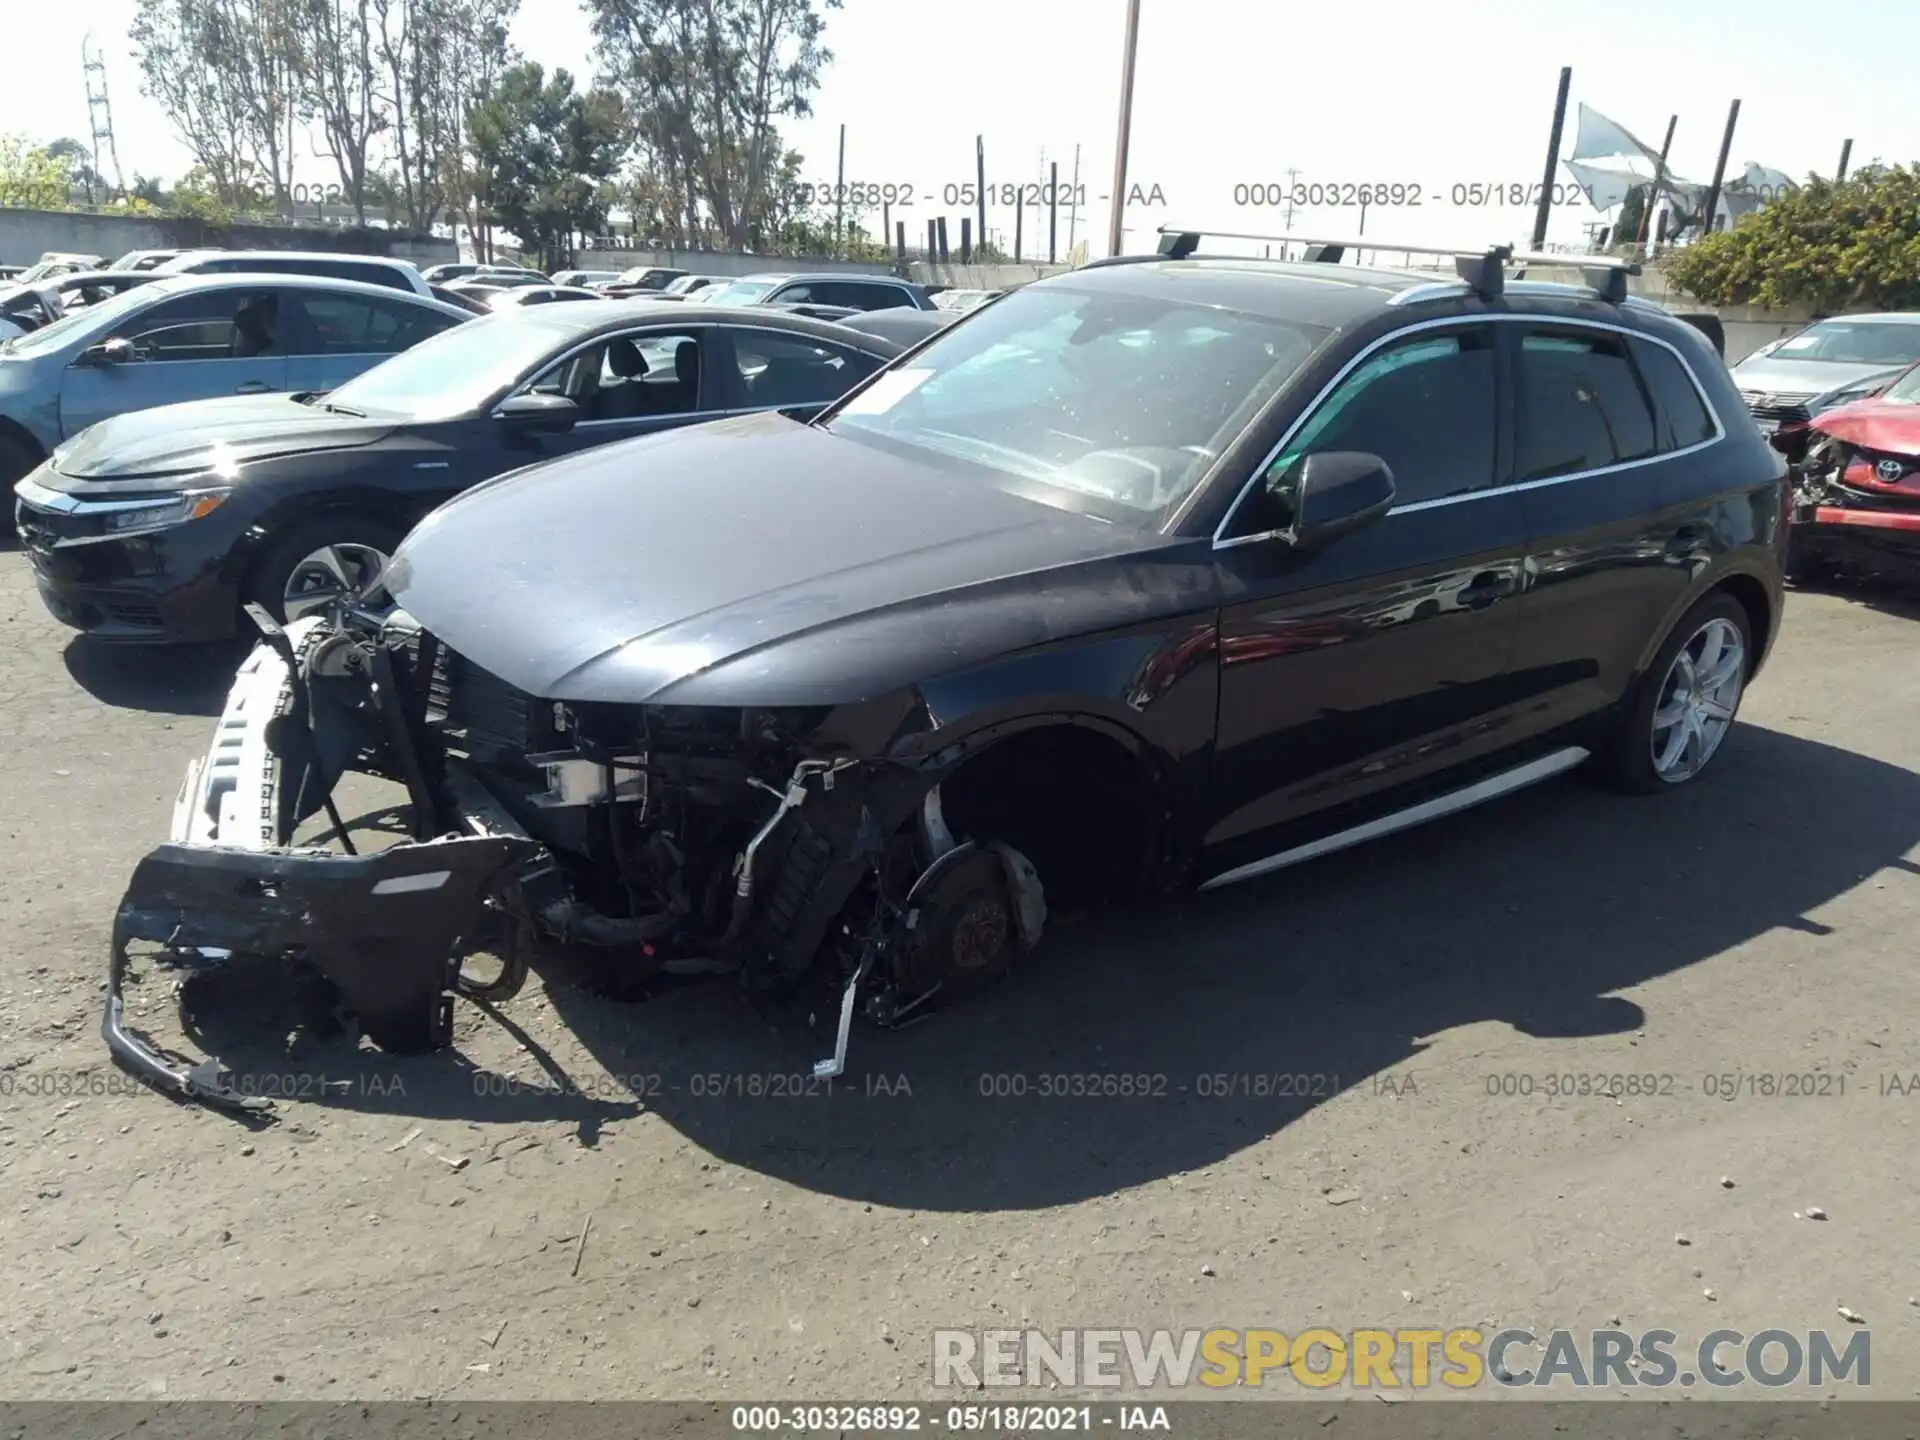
pixel 1156 691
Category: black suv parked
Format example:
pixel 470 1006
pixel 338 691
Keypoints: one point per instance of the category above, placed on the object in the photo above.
pixel 1154 574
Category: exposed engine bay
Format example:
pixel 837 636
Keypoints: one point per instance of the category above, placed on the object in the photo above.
pixel 1856 508
pixel 788 848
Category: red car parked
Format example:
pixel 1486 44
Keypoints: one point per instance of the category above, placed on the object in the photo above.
pixel 1857 501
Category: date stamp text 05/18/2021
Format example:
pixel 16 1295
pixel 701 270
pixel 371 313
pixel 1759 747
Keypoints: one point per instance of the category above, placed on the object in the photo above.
pixel 965 194
pixel 1402 194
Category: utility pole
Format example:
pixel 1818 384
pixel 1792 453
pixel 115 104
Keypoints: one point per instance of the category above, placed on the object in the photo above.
pixel 840 197
pixel 1073 199
pixel 1659 176
pixel 1053 212
pixel 980 182
pixel 1720 168
pixel 1292 175
pixel 1553 158
pixel 1119 202
pixel 1846 150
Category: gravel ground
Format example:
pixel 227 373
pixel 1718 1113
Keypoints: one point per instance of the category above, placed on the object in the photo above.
pixel 422 1229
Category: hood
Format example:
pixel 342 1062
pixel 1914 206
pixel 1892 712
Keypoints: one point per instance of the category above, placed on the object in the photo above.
pixel 195 437
pixel 1804 378
pixel 617 574
pixel 1882 425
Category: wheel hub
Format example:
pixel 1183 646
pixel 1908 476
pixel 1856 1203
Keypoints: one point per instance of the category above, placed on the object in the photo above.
pixel 1698 699
pixel 334 573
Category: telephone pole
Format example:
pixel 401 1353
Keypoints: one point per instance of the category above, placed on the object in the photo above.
pixel 1117 212
pixel 1073 200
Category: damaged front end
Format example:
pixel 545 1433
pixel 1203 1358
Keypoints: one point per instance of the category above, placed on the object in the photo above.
pixel 1856 505
pixel 787 847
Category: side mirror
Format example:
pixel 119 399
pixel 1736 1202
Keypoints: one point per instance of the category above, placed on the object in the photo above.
pixel 537 414
pixel 1338 491
pixel 116 351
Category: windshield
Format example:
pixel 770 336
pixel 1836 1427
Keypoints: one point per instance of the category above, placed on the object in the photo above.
pixel 455 372
pixel 739 292
pixel 100 318
pixel 1854 342
pixel 1106 402
pixel 1905 390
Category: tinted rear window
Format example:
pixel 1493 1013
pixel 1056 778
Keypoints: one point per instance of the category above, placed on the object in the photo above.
pixel 1582 405
pixel 1684 419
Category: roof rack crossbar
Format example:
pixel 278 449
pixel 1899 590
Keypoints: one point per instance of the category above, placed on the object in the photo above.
pixel 1482 268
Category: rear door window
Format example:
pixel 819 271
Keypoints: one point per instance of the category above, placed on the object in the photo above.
pixel 331 324
pixel 1582 404
pixel 863 295
pixel 775 370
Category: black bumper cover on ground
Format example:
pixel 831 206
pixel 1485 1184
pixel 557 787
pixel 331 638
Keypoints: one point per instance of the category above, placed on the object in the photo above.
pixel 384 928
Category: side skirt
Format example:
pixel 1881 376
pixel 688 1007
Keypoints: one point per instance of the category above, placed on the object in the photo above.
pixel 1492 788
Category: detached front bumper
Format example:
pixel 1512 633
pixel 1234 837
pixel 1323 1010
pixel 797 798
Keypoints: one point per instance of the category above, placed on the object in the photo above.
pixel 382 928
pixel 386 929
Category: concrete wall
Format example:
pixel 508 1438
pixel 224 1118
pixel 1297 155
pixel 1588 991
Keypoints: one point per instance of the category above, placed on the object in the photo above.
pixel 26 235
pixel 722 262
pixel 979 277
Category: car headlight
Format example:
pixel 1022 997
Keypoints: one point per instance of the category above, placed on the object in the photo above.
pixel 128 517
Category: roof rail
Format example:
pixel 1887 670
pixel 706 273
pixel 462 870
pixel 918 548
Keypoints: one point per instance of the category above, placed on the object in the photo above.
pixel 1483 268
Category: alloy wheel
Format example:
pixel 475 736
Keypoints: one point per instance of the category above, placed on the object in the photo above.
pixel 334 573
pixel 1698 698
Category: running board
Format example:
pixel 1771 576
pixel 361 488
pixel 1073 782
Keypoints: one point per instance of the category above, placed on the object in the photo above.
pixel 1491 788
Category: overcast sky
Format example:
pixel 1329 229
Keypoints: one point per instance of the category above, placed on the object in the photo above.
pixel 1228 92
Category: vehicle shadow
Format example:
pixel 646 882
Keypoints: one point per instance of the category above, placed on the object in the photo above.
pixel 162 679
pixel 1532 911
pixel 1899 597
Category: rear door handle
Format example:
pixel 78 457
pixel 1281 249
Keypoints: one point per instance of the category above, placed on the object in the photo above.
pixel 253 387
pixel 1487 587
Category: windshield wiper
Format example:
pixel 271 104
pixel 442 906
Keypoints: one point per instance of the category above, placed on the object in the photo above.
pixel 333 408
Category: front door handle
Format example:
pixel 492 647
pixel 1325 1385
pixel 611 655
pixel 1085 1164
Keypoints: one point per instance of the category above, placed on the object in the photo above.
pixel 253 387
pixel 1487 587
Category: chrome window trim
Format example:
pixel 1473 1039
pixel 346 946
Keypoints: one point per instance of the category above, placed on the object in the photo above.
pixel 685 417
pixel 1458 321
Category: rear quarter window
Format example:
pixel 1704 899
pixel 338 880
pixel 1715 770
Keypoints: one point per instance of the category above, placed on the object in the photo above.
pixel 1682 416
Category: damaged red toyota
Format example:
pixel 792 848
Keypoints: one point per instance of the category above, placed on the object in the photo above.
pixel 1167 572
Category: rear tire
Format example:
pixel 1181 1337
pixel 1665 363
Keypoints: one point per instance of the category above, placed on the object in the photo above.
pixel 1685 704
pixel 354 537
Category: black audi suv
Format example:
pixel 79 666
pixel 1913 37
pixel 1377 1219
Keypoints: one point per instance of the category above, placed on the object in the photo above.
pixel 1152 575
